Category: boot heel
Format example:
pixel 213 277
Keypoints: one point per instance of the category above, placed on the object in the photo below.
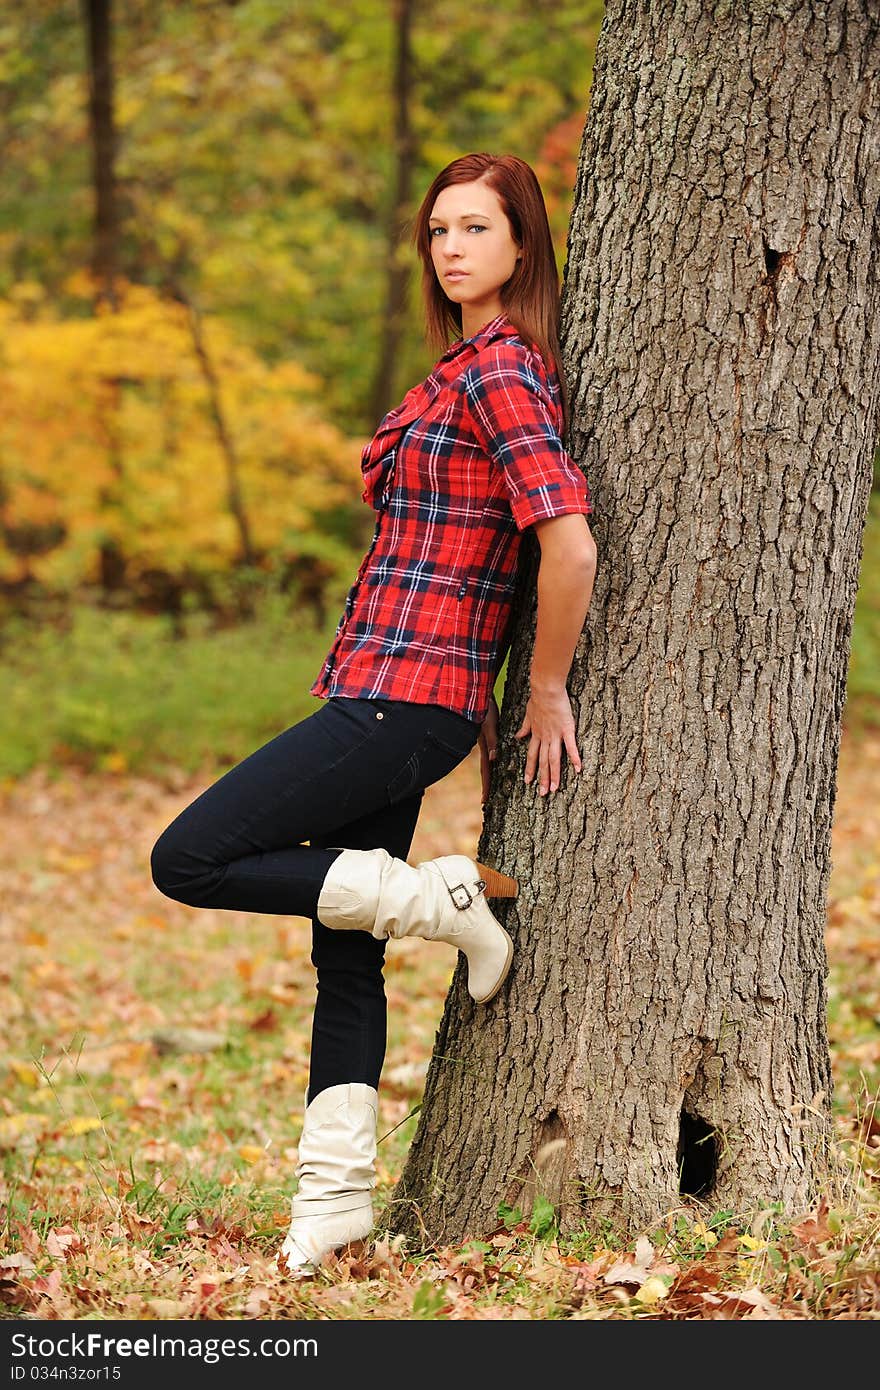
pixel 498 885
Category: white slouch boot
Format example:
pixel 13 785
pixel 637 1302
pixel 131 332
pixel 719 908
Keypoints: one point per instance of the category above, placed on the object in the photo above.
pixel 438 900
pixel 336 1171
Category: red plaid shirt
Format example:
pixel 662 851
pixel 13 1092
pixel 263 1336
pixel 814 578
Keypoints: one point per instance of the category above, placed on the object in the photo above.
pixel 470 457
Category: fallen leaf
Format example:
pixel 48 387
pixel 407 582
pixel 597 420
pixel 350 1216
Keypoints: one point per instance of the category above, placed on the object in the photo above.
pixel 83 1124
pixel 251 1153
pixel 632 1269
pixel 814 1229
pixel 752 1303
pixel 258 1301
pixel 61 1240
pixel 652 1290
pixel 14 1127
pixel 266 1022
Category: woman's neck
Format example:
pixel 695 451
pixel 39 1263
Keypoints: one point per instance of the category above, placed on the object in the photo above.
pixel 477 319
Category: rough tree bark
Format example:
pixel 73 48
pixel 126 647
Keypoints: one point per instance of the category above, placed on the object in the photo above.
pixel 722 341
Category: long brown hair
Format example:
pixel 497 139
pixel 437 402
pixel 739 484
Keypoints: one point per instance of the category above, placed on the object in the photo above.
pixel 530 299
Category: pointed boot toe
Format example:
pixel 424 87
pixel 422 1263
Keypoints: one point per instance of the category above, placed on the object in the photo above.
pixel 467 922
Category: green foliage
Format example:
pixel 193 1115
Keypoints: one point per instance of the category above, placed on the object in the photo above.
pixel 511 1216
pixel 428 1300
pixel 120 692
pixel 542 1223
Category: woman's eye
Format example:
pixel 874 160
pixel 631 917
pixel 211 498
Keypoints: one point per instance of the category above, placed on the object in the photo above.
pixel 478 225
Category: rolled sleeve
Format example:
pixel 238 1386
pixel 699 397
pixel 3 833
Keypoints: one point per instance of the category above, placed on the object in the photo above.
pixel 514 418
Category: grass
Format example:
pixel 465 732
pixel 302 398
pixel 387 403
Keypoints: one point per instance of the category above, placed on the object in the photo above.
pixel 116 691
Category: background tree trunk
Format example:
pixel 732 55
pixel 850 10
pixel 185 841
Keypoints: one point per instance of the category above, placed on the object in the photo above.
pixel 98 19
pixel 400 213
pixel 721 332
pixel 234 493
pixel 98 22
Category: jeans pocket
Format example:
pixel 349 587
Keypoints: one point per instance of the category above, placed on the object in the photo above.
pixel 457 742
pixel 434 756
pixel 404 782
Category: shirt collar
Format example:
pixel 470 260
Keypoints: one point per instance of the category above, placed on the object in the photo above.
pixel 498 327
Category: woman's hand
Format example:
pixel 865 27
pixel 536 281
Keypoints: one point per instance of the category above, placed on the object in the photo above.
pixel 549 720
pixel 488 746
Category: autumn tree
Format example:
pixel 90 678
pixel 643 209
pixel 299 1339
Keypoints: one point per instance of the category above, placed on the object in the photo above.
pixel 663 1032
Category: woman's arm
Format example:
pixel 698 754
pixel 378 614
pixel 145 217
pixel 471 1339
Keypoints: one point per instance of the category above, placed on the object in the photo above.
pixel 566 573
pixel 515 418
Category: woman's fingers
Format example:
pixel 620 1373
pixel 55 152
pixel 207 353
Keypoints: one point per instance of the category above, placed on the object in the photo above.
pixel 544 759
pixel 571 749
pixel 544 753
pixel 555 761
pixel 532 756
pixel 548 764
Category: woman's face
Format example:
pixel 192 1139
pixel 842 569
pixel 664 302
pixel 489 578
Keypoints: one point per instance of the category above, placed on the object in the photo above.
pixel 470 234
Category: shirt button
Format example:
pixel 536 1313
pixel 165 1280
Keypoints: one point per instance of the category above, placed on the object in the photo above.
pixel 379 714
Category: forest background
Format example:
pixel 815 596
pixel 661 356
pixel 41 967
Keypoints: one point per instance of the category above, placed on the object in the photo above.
pixel 186 393
pixel 189 451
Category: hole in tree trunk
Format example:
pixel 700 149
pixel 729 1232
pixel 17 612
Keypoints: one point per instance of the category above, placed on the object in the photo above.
pixel 771 259
pixel 697 1155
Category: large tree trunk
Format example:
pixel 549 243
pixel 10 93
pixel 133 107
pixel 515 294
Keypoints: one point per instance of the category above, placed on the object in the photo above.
pixel 666 1015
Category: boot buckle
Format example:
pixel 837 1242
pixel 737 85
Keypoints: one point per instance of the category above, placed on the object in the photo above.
pixel 463 888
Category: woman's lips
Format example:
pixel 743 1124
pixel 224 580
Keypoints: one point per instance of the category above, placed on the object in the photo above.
pixel 456 274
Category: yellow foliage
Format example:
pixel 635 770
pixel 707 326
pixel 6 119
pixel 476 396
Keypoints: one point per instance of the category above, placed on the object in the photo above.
pixel 251 1153
pixel 83 1124
pixel 14 1127
pixel 25 1072
pixel 112 428
pixel 752 1244
pixel 703 1233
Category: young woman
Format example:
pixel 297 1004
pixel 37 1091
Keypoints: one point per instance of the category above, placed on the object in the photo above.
pixel 468 460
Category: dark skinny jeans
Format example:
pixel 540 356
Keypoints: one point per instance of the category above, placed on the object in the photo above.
pixel 351 775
